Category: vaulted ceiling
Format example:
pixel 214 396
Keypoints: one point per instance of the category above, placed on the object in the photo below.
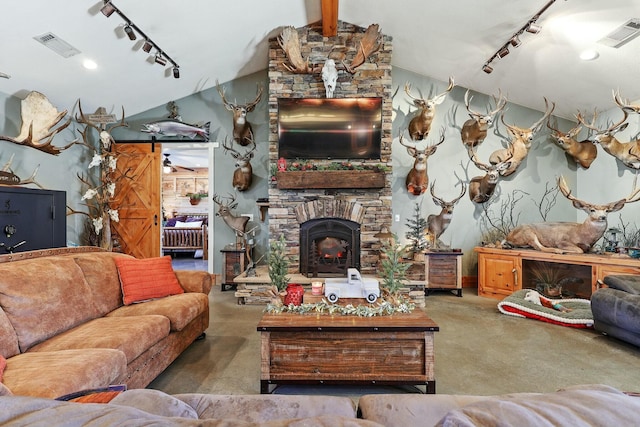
pixel 224 40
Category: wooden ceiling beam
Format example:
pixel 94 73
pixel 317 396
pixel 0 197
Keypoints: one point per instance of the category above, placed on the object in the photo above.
pixel 329 18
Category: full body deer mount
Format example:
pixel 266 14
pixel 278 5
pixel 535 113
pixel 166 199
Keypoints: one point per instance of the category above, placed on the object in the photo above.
pixel 39 120
pixel 583 152
pixel 627 152
pixel 474 130
pixel 243 175
pixel 242 131
pixel 521 140
pixel 437 224
pixel 481 188
pixel 237 223
pixel 420 124
pixel 569 237
pixel 417 180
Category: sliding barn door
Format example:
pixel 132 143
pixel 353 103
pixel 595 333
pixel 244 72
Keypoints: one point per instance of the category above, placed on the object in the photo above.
pixel 138 200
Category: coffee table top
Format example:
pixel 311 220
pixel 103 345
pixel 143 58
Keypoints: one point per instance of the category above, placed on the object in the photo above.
pixel 416 321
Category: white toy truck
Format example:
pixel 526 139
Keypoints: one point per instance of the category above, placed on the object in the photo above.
pixel 354 286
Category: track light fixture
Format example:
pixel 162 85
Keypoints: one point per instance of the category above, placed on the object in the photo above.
pixel 530 27
pixel 132 31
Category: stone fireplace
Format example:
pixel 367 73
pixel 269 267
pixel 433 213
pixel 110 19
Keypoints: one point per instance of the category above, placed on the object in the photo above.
pixel 349 216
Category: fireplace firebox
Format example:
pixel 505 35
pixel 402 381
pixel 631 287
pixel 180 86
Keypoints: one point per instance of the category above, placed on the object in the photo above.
pixel 328 246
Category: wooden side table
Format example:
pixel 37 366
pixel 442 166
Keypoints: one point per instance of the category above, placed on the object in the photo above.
pixel 443 271
pixel 234 264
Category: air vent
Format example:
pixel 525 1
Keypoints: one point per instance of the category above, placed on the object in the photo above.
pixel 57 45
pixel 623 34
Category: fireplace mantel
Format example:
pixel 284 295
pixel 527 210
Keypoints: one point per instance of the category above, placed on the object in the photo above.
pixel 300 180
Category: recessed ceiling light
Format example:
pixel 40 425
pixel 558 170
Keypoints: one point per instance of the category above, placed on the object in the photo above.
pixel 589 55
pixel 89 64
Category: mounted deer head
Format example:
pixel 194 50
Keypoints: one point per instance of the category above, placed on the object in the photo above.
pixel 420 125
pixel 521 139
pixel 627 152
pixel 243 175
pixel 583 152
pixel 242 131
pixel 437 224
pixel 569 237
pixel 481 188
pixel 237 223
pixel 474 130
pixel 417 180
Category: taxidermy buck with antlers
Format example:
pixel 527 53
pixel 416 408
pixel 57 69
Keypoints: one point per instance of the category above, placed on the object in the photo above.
pixel 437 224
pixel 569 237
pixel 474 130
pixel 420 125
pixel 237 223
pixel 242 131
pixel 583 152
pixel 521 140
pixel 481 188
pixel 243 175
pixel 417 180
pixel 627 152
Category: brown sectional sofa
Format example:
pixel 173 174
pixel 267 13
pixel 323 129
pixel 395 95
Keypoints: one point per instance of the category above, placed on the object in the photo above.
pixel 63 326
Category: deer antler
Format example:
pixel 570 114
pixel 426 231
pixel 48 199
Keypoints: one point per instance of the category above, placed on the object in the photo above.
pixel 370 43
pixel 288 41
pixel 624 103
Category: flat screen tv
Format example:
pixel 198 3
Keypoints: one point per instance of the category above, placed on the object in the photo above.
pixel 329 128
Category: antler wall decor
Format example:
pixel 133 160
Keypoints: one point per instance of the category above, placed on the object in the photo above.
pixel 370 44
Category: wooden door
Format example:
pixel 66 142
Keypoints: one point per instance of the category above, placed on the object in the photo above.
pixel 138 200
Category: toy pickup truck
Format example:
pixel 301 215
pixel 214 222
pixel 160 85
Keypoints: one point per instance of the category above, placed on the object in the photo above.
pixel 354 286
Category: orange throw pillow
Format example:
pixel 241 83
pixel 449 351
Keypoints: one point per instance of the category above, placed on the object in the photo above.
pixel 147 278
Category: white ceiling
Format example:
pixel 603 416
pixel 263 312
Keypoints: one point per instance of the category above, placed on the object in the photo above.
pixel 223 40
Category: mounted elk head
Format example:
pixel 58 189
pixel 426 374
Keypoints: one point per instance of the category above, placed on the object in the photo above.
pixel 417 180
pixel 521 139
pixel 437 224
pixel 39 118
pixel 369 44
pixel 474 130
pixel 569 237
pixel 627 152
pixel 420 125
pixel 583 152
pixel 481 188
pixel 242 131
pixel 237 223
pixel 243 175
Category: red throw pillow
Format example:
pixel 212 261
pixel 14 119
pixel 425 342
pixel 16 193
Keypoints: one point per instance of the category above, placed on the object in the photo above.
pixel 147 278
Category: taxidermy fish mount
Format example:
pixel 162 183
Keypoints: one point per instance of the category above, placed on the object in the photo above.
pixel 177 128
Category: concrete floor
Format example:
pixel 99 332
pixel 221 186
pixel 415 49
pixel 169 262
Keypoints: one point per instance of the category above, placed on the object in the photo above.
pixel 478 351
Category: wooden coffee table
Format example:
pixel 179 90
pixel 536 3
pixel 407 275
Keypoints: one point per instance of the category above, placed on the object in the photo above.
pixel 336 349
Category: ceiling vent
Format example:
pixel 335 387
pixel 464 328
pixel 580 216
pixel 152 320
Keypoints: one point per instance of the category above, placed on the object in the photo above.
pixel 57 45
pixel 623 34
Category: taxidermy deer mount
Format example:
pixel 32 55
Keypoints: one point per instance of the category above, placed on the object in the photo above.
pixel 521 139
pixel 420 124
pixel 474 130
pixel 237 223
pixel 39 118
pixel 417 180
pixel 481 188
pixel 583 152
pixel 627 152
pixel 242 131
pixel 437 224
pixel 243 175
pixel 569 237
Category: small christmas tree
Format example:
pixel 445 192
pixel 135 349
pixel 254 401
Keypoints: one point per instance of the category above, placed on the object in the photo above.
pixel 416 234
pixel 278 263
pixel 393 269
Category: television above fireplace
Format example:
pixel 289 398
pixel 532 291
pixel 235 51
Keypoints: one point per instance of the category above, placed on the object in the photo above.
pixel 329 128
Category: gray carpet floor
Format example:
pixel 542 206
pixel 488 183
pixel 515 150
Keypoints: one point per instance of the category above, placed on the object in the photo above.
pixel 478 351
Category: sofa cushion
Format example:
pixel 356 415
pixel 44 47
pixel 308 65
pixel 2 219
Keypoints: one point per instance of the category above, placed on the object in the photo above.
pixel 100 271
pixel 624 282
pixel 155 402
pixel 43 297
pixel 148 278
pixel 56 373
pixel 179 309
pixel 8 338
pixel 131 336
pixel 589 406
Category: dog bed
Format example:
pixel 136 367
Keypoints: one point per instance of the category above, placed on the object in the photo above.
pixel 580 315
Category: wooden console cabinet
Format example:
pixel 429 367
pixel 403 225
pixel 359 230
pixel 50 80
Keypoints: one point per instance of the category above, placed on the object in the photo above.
pixel 443 271
pixel 504 271
pixel 235 262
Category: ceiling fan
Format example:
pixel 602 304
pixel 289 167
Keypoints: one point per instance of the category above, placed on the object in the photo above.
pixel 168 166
